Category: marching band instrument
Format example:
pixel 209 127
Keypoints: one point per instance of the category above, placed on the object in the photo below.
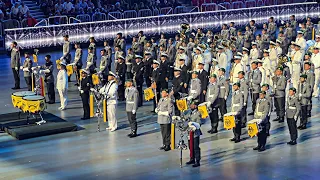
pixel 203 110
pixel 17 97
pixel 253 127
pixel 95 79
pixel 69 68
pixel 34 104
pixel 148 94
pixel 182 104
pixel 229 121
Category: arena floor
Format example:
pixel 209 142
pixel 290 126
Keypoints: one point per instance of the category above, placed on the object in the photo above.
pixel 87 154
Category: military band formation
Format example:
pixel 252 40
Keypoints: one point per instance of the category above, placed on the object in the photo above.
pixel 278 71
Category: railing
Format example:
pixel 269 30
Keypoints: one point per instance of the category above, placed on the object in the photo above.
pixel 157 24
pixel 83 18
pixel 130 14
pixel 41 22
pixel 114 15
pixel 57 20
pixel 99 17
pixel 74 20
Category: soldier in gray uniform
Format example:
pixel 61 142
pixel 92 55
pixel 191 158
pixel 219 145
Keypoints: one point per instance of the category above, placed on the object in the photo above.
pixel 94 51
pixel 310 80
pixel 131 95
pixel 90 59
pixel 232 29
pixel 247 38
pixel 136 46
pixel 261 112
pixel 15 64
pixel 239 41
pixel 236 109
pixel 255 78
pixel 225 32
pixel 304 95
pixel 66 55
pixel 104 69
pixel 119 41
pixel 244 88
pixel 212 100
pixel 195 87
pixel 164 111
pixel 49 78
pixel 27 72
pixel 272 28
pixel 77 62
pixel 171 50
pixel 279 88
pixel 223 93
pixel 265 87
pixel 265 40
pixel 292 113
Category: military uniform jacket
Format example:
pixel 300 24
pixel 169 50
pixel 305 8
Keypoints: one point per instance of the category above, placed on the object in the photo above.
pixel 293 107
pixel 224 87
pixel 130 62
pixel 137 48
pixel 163 42
pixel 15 58
pixel 104 64
pixel 138 70
pixel 262 110
pixel 93 45
pixel 213 93
pixel 78 58
pixel 165 110
pixel 265 41
pixel 110 90
pixel 195 88
pixel 27 65
pixel 233 31
pixel 66 51
pixel 222 60
pixel 203 77
pixel 247 39
pixel 237 103
pixel 164 70
pixel 279 86
pixel 239 43
pixel 177 86
pixel 245 61
pixel 131 95
pixel 142 40
pixel 235 70
pixel 119 42
pixel 272 27
pixel 148 67
pixel 90 59
pixel 254 54
pixel 315 59
pixel 48 77
pixel 310 78
pixel 121 71
pixel 286 72
pixel 225 34
pixel 85 85
pixel 244 88
pixel 304 92
pixel 269 98
pixel 255 80
pixel 171 51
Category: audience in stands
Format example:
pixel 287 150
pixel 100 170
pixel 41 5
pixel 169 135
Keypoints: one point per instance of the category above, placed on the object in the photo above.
pixel 31 21
pixel 23 9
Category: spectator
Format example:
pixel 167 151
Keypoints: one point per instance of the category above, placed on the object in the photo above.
pixel 15 11
pixel 135 7
pixel 67 6
pixel 1 16
pixel 81 11
pixel 90 4
pixel 141 5
pixel 58 6
pixel 31 21
pixel 23 9
pixel 90 12
pixel 118 7
pixel 77 5
pixel 83 4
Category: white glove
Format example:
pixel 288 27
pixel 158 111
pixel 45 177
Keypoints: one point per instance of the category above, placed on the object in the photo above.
pixel 244 104
pixel 226 97
pixel 300 94
pixel 251 80
pixel 79 88
pixel 176 118
pixel 259 121
pixel 192 127
pixel 133 111
pixel 41 71
pixel 33 68
pixel 296 118
pixel 93 90
pixel 35 72
pixel 61 58
pixel 156 110
pixel 99 72
pixel 208 104
pixel 108 97
pixel 16 68
pixel 189 98
pixel 163 113
pixel 81 91
pixel 25 69
pixel 38 67
pixel 21 67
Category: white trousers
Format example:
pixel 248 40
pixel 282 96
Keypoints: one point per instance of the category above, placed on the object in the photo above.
pixel 316 83
pixel 63 97
pixel 111 114
pixel 295 77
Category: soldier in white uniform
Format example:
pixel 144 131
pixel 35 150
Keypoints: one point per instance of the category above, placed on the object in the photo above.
pixel 263 72
pixel 222 57
pixel 62 85
pixel 273 56
pixel 77 63
pixel 301 42
pixel 245 60
pixel 198 57
pixel 317 44
pixel 254 52
pixel 236 109
pixel 261 112
pixel 315 59
pixel 296 65
pixel 278 47
pixel 237 67
pixel 131 95
pixel 15 64
pixel 110 93
pixel 165 111
pixel 27 72
pixel 292 113
pixel 267 67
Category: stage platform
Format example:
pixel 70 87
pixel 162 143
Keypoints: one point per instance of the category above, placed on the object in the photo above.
pixel 88 154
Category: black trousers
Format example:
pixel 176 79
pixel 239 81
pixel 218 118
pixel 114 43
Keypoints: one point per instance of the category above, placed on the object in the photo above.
pixel 129 75
pixel 171 70
pixel 222 106
pixel 166 134
pixel 121 91
pixel 244 115
pixel 196 155
pixel 310 105
pixel 304 115
pixel 140 100
pixel 28 82
pixel 164 84
pixel 214 118
pixel 148 81
pixel 292 124
pixel 268 125
pixel 16 77
pixel 279 103
pixel 262 136
pixel 201 97
pixel 132 121
pixel 85 103
pixel 78 74
pixel 254 96
pixel 237 129
pixel 51 93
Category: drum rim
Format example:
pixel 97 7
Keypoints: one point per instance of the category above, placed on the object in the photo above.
pixel 24 98
pixel 23 93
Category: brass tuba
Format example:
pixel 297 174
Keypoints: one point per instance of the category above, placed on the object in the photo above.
pixel 283 59
pixel 310 49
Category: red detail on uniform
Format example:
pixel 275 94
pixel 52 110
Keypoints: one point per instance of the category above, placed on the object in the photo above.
pixel 191 145
pixel 42 86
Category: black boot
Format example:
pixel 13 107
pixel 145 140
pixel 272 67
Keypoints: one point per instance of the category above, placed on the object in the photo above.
pixel 162 147
pixel 257 148
pixel 233 139
pixel 167 148
pixel 134 134
pixel 292 142
pixel 281 120
pixel 192 161
pixel 262 148
pixel 129 135
pixel 197 164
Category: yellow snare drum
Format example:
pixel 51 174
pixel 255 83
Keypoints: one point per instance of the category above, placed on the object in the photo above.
pixel 203 110
pixel 35 103
pixel 17 97
pixel 229 121
pixel 182 104
pixel 69 68
pixel 95 79
pixel 80 71
pixel 148 94
pixel 253 128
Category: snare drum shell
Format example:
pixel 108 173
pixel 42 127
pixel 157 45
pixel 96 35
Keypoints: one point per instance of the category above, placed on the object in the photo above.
pixel 229 122
pixel 253 129
pixel 35 104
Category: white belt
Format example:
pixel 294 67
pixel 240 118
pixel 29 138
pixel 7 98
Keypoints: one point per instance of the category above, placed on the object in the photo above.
pixel 291 107
pixel 259 113
pixel 236 105
pixel 222 87
pixel 130 102
pixel 193 91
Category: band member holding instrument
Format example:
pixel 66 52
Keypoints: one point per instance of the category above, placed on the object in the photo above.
pixel 164 111
pixel 131 95
pixel 77 62
pixel 236 109
pixel 292 113
pixel 261 112
pixel 177 87
pixel 49 78
pixel 212 102
pixel 84 88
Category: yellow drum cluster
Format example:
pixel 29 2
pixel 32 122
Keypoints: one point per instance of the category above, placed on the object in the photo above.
pixel 28 101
